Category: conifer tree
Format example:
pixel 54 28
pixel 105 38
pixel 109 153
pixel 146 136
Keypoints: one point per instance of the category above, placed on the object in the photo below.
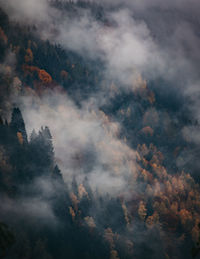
pixel 57 174
pixel 17 123
pixel 33 135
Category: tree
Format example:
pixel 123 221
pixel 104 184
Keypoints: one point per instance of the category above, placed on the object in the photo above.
pixel 17 123
pixel 41 151
pixel 33 135
pixel 1 120
pixel 142 211
pixel 7 239
pixel 57 174
pixel 40 250
pixel 44 76
pixel 47 141
pixel 196 248
pixel 29 56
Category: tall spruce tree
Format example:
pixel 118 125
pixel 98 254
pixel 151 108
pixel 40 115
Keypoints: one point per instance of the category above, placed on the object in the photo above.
pixel 17 123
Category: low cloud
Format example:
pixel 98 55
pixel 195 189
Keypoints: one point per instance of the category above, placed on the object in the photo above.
pixel 153 38
pixel 86 142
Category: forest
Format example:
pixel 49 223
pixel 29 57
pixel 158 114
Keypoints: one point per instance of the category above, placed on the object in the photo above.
pixel 92 164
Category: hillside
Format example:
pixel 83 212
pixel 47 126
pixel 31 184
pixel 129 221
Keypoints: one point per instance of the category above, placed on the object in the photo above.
pixel 99 130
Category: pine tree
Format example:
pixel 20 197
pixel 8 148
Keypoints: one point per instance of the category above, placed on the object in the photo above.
pixel 40 251
pixel 33 135
pixel 17 123
pixel 1 121
pixel 47 140
pixel 7 239
pixel 57 174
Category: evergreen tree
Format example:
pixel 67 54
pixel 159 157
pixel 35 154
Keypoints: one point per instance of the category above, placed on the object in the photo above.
pixel 40 251
pixel 57 174
pixel 1 121
pixel 47 139
pixel 33 135
pixel 6 239
pixel 17 123
pixel 41 152
pixel 47 145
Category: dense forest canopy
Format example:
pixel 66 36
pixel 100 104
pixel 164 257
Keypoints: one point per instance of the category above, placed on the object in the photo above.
pixel 99 129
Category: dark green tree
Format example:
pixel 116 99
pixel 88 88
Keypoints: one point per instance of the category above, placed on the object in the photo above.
pixel 17 123
pixel 57 174
pixel 7 239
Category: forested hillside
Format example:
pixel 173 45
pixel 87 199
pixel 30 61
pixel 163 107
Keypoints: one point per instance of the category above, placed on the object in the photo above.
pixel 99 137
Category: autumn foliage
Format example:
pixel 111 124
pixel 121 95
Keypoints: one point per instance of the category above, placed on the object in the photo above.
pixel 148 131
pixel 64 74
pixel 20 137
pixel 43 76
pixel 29 56
pixel 3 36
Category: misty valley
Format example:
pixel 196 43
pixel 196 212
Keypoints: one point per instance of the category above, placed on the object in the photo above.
pixel 99 129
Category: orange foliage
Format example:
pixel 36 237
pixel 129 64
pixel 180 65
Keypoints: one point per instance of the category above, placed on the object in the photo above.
pixel 72 213
pixel 151 97
pixel 109 237
pixel 148 131
pixel 186 217
pixel 145 162
pixel 90 222
pixel 142 149
pixel 168 187
pixel 20 137
pixel 29 56
pixel 142 90
pixel 146 175
pixel 140 84
pixel 157 158
pixel 175 198
pixel 30 69
pixel 75 200
pixel 125 213
pixel 64 74
pixel 159 170
pixel 152 220
pixel 142 211
pixel 44 76
pixel 3 36
pixel 174 207
pixel 81 191
pixel 114 254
